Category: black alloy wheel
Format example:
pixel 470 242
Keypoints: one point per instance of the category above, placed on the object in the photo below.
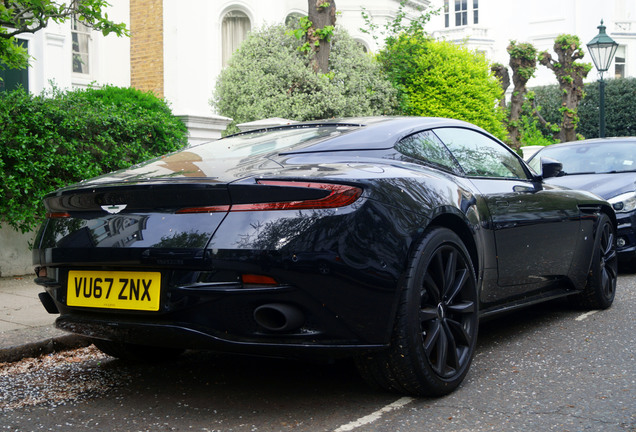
pixel 436 326
pixel 600 288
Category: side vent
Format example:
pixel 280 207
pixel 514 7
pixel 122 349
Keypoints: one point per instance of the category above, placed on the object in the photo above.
pixel 589 208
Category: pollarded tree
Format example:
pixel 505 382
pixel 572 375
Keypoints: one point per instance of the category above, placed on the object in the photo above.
pixel 270 77
pixel 442 79
pixel 570 75
pixel 501 73
pixel 523 62
pixel 28 16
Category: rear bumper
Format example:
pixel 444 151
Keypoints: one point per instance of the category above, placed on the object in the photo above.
pixel 330 309
pixel 189 336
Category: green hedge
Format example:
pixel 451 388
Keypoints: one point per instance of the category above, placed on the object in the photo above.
pixel 443 79
pixel 51 140
pixel 620 109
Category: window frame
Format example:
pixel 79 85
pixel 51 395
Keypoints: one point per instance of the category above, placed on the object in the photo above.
pixel 527 174
pixel 454 167
pixel 620 62
pixel 226 53
pixel 81 34
pixel 461 13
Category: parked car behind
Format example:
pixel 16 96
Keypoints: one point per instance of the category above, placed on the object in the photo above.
pixel 606 167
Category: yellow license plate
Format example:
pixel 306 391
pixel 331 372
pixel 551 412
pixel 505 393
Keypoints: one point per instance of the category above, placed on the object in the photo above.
pixel 114 289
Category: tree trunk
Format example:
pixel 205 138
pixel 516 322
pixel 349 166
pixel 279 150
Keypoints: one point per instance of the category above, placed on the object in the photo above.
pixel 501 73
pixel 570 76
pixel 322 14
pixel 523 62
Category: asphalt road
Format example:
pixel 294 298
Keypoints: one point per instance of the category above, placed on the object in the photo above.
pixel 549 368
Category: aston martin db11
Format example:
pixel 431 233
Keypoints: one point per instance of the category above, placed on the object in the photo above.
pixel 381 239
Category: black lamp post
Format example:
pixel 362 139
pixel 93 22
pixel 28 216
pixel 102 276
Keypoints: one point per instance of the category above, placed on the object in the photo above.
pixel 602 49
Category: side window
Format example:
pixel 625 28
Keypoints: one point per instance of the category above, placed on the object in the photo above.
pixel 481 156
pixel 425 146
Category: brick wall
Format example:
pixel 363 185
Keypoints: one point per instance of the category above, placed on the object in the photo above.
pixel 146 45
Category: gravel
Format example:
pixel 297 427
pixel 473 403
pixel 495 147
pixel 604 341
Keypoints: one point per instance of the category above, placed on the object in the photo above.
pixel 57 379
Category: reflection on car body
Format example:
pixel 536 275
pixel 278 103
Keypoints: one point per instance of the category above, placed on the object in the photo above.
pixel 383 239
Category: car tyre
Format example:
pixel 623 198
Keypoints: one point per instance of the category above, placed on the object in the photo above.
pixel 600 287
pixel 435 332
pixel 136 353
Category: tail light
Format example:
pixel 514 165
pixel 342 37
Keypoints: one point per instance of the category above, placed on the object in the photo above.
pixel 58 215
pixel 253 279
pixel 335 195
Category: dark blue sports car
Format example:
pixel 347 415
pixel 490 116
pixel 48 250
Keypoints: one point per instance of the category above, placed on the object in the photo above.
pixel 382 239
pixel 606 167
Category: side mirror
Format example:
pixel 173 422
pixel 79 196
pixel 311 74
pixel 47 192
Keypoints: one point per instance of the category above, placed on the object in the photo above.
pixel 550 167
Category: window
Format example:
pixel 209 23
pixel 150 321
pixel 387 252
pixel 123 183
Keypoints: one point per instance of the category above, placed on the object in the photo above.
pixel 446 14
pixel 234 29
pixel 619 62
pixel 461 12
pixel 426 147
pixel 293 20
pixel 11 79
pixel 81 35
pixel 363 45
pixel 481 156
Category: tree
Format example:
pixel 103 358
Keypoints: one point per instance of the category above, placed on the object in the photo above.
pixel 322 19
pixel 439 78
pixel 570 75
pixel 269 77
pixel 28 16
pixel 523 62
pixel 501 73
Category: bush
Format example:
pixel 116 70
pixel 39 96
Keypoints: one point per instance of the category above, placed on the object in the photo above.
pixel 58 138
pixel 530 133
pixel 620 110
pixel 269 77
pixel 441 79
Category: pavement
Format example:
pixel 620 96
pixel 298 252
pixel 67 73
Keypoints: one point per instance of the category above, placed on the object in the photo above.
pixel 26 328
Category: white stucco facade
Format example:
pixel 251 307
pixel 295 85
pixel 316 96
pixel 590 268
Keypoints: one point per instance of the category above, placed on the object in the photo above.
pixel 193 38
pixel 192 42
pixel 539 22
pixel 51 52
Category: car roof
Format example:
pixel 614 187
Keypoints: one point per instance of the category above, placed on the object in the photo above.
pixel 372 132
pixel 594 141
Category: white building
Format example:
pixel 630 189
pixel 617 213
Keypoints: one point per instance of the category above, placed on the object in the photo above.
pixel 490 25
pixel 177 49
pixel 69 56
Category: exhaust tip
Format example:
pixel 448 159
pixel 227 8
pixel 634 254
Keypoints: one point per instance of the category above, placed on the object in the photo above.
pixel 279 317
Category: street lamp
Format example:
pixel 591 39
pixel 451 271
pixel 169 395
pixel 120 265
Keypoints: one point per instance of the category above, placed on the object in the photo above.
pixel 602 49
